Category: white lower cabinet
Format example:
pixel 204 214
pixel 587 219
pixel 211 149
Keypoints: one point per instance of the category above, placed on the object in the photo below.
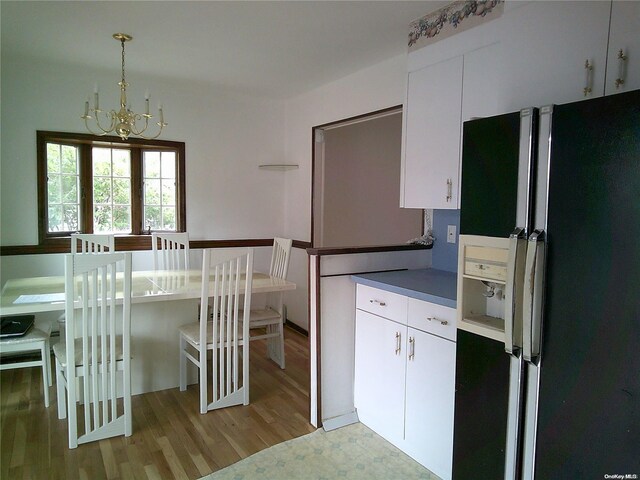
pixel 380 369
pixel 429 401
pixel 405 376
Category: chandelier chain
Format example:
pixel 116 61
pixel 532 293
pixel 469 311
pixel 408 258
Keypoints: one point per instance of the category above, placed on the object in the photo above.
pixel 122 42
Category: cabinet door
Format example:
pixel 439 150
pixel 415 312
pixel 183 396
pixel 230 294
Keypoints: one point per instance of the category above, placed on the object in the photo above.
pixel 379 375
pixel 625 25
pixel 430 398
pixel 545 47
pixel 432 136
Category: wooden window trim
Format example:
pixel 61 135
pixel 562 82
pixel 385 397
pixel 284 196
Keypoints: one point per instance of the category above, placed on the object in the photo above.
pixel 137 239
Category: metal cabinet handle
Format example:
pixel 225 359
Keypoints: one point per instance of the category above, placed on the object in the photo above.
pixel 588 83
pixel 449 189
pixel 378 302
pixel 435 319
pixel 412 348
pixel 398 343
pixel 622 68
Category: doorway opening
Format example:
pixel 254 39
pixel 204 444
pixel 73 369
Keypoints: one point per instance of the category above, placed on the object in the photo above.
pixel 356 183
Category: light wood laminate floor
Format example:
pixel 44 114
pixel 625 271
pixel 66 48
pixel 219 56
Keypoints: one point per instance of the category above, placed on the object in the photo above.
pixel 170 438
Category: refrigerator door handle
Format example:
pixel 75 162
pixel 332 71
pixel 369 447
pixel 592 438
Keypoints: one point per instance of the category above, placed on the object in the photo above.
pixel 514 418
pixel 532 309
pixel 513 292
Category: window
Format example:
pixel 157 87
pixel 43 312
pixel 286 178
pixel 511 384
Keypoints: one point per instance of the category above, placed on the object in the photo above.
pixel 94 184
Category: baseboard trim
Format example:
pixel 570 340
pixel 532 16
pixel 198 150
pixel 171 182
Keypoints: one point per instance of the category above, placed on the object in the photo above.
pixel 340 421
pixel 296 328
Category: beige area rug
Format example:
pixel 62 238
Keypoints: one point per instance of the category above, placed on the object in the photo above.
pixel 351 452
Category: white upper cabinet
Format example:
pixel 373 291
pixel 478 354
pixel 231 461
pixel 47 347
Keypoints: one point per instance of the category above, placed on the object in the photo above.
pixel 624 36
pixel 432 136
pixel 537 53
pixel 546 46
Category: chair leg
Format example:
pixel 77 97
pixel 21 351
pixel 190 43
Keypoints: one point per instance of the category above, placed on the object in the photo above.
pixel 128 427
pixel 281 345
pixel 60 388
pixel 72 418
pixel 203 379
pixel 47 348
pixel 45 373
pixel 183 364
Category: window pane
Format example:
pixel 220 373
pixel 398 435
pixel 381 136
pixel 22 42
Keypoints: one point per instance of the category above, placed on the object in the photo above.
pixel 71 218
pixel 55 218
pixel 53 158
pixel 69 159
pixel 168 193
pixel 168 165
pixel 101 161
pixel 54 195
pixel 111 189
pixel 169 218
pixel 121 191
pixel 70 189
pixel 152 164
pixel 101 218
pixel 121 219
pixel 101 190
pixel 121 163
pixel 63 196
pixel 152 218
pixel 152 192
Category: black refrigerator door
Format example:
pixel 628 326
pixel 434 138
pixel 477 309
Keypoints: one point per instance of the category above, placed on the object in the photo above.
pixel 490 149
pixel 589 397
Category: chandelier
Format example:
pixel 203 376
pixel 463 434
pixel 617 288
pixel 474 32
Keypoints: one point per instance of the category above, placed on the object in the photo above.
pixel 123 122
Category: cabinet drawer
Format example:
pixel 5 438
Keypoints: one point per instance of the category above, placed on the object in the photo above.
pixel 380 302
pixel 432 318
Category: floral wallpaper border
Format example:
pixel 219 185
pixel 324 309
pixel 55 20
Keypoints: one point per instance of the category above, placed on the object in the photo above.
pixel 456 17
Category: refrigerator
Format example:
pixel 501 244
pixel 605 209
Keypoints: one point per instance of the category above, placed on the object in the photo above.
pixel 548 346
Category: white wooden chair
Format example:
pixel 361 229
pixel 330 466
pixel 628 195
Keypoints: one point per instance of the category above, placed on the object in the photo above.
pixel 88 243
pixel 271 318
pixel 92 243
pixel 226 276
pixel 173 252
pixel 96 346
pixel 35 340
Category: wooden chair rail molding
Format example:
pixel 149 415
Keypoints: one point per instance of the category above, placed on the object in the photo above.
pixel 139 242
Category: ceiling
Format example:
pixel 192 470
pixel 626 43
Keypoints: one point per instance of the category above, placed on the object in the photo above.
pixel 274 49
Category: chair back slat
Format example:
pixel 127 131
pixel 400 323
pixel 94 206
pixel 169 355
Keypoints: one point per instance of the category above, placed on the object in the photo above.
pixel 92 243
pixel 280 257
pixel 93 333
pixel 226 280
pixel 172 253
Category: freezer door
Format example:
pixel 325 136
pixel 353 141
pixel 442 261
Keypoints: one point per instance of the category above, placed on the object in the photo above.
pixel 489 191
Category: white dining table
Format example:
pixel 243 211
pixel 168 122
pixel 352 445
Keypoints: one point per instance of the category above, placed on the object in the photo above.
pixel 162 301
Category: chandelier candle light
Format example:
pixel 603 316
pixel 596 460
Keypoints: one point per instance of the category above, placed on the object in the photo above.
pixel 122 122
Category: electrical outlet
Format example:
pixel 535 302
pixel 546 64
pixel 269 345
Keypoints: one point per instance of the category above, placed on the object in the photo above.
pixel 451 234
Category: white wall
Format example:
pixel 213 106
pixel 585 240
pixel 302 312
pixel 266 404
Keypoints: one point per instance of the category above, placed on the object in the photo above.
pixel 226 137
pixel 374 88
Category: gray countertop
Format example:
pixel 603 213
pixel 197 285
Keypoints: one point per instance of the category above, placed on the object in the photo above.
pixel 428 284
